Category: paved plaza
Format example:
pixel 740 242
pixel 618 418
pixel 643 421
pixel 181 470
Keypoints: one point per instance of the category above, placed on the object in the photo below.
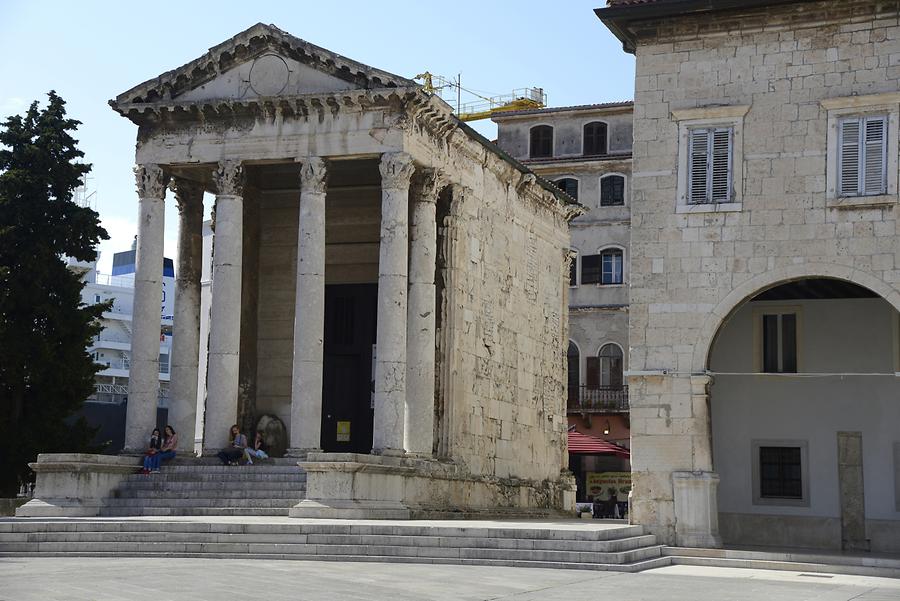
pixel 108 579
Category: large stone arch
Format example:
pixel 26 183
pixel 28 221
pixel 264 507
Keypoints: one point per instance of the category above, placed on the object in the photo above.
pixel 770 279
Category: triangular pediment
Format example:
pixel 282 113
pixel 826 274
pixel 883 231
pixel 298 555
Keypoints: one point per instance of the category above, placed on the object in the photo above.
pixel 261 62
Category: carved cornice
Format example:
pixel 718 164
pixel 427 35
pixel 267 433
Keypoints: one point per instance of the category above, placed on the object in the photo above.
pixel 313 173
pixel 150 180
pixel 229 178
pixel 187 193
pixel 396 170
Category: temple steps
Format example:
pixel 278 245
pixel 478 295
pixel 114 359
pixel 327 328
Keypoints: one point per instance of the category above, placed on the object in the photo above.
pixel 192 487
pixel 620 548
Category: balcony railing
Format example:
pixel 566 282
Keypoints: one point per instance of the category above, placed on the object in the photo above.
pixel 125 364
pixel 598 399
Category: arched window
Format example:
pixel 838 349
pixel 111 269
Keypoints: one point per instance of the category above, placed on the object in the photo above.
pixel 595 138
pixel 611 266
pixel 541 142
pixel 611 372
pixel 573 359
pixel 612 191
pixel 569 185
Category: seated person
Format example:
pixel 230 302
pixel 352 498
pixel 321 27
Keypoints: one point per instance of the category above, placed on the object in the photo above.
pixel 233 453
pixel 258 450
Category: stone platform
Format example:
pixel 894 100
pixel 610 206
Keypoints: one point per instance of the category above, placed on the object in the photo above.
pixel 575 544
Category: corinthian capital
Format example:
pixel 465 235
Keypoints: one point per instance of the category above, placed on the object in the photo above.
pixel 396 170
pixel 312 175
pixel 187 192
pixel 229 178
pixel 428 184
pixel 151 181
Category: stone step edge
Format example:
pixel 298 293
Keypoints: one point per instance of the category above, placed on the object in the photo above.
pixel 124 526
pixel 155 538
pixel 638 566
pixel 785 566
pixel 805 557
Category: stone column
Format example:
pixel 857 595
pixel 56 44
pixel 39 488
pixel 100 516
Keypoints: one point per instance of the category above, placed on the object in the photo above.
pixel 390 337
pixel 225 312
pixel 420 342
pixel 143 376
pixel 309 313
pixel 186 329
pixel 701 439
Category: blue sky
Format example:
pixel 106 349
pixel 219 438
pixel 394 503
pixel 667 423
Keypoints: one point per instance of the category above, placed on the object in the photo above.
pixel 90 51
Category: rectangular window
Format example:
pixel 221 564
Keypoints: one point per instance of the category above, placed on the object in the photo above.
pixel 862 156
pixel 590 269
pixel 779 343
pixel 780 473
pixel 573 270
pixel 612 267
pixel 612 191
pixel 96 298
pixel 710 165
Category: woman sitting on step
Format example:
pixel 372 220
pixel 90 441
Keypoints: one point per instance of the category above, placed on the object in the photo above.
pixel 233 454
pixel 152 449
pixel 166 451
pixel 258 450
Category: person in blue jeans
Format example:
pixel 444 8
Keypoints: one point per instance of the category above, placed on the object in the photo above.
pixel 152 449
pixel 166 451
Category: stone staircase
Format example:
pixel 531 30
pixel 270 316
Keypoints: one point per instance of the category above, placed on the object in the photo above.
pixel 572 546
pixel 202 488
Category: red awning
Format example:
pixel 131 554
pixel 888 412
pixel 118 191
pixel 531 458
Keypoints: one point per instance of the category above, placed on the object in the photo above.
pixel 584 444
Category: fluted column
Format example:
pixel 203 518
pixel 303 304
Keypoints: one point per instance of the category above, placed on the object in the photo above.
pixel 390 338
pixel 309 313
pixel 186 334
pixel 420 342
pixel 143 376
pixel 225 311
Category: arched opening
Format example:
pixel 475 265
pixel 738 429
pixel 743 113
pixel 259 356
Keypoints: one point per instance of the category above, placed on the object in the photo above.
pixel 541 146
pixel 595 138
pixel 569 185
pixel 804 406
pixel 612 191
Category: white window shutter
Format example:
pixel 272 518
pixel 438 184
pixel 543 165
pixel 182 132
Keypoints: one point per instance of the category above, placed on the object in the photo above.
pixel 720 186
pixel 874 173
pixel 699 166
pixel 849 157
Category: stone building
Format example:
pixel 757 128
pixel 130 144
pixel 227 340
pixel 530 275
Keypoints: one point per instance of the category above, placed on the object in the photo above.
pixel 586 151
pixel 384 281
pixel 765 271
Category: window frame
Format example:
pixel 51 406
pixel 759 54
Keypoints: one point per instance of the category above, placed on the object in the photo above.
pixel 531 129
pixel 871 105
pixel 709 118
pixel 756 474
pixel 607 249
pixel 624 190
pixel 863 152
pixel 605 138
pixel 570 178
pixel 758 313
pixel 621 357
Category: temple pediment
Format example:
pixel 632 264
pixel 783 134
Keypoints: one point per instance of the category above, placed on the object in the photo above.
pixel 261 62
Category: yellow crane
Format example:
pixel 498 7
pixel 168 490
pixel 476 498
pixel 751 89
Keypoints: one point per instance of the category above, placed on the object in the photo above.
pixel 484 106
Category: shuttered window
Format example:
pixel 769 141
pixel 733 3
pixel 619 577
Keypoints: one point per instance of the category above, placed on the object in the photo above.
pixel 862 156
pixel 595 138
pixel 612 191
pixel 573 269
pixel 590 269
pixel 710 165
pixel 568 185
pixel 541 142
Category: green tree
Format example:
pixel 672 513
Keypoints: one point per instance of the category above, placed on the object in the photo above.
pixel 45 370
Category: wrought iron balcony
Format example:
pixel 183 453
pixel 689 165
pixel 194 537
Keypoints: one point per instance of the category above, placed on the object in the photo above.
pixel 598 399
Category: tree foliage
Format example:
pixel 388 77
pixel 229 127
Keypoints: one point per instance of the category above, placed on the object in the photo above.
pixel 46 372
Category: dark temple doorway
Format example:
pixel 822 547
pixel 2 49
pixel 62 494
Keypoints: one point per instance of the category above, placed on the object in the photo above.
pixel 347 413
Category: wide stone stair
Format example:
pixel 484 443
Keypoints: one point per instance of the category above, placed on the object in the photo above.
pixel 619 547
pixel 203 488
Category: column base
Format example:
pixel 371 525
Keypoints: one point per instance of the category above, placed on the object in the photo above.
pixel 300 453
